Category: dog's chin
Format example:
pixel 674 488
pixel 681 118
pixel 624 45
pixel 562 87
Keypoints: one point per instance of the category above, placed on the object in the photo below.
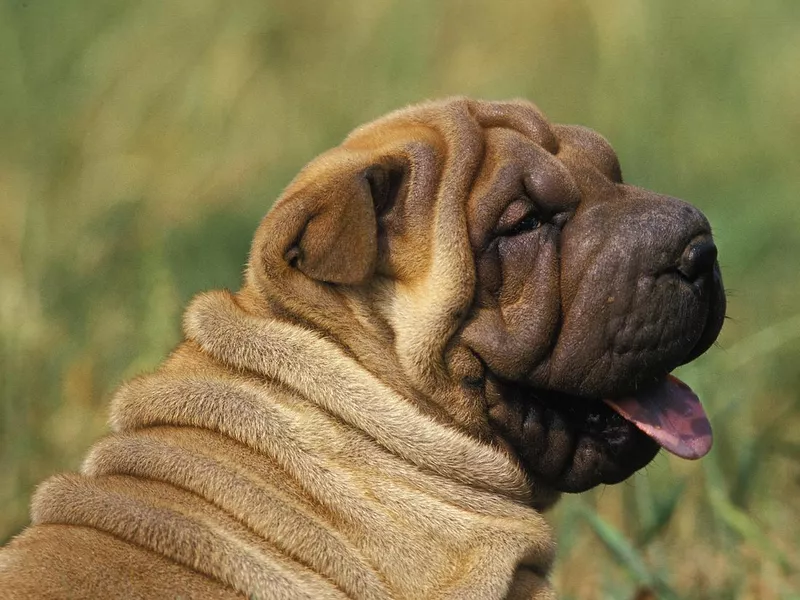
pixel 572 444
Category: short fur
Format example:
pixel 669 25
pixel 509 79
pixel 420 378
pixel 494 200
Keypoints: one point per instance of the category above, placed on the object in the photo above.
pixel 329 431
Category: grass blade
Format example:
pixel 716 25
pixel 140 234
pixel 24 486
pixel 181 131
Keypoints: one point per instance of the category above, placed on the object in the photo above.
pixel 664 506
pixel 626 554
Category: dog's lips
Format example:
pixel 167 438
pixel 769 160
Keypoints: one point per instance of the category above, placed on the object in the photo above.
pixel 574 443
pixel 671 415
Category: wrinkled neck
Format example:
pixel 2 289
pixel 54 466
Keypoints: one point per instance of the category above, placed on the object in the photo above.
pixel 263 418
pixel 319 371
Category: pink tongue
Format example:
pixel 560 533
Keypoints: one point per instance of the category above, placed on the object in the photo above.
pixel 672 415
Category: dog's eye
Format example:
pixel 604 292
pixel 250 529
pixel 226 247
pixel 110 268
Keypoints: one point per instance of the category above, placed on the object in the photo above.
pixel 528 223
pixel 520 216
pixel 384 184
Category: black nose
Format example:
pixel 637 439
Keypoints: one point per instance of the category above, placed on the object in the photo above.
pixel 698 258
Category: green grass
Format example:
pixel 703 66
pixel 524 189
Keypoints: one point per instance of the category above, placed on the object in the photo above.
pixel 142 141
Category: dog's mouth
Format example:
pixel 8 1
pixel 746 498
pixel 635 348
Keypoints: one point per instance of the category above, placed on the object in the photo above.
pixel 572 444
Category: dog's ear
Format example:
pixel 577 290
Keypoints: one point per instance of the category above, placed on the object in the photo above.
pixel 326 224
pixel 336 237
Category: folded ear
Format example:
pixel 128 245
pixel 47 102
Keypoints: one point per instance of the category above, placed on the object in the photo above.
pixel 336 240
pixel 326 224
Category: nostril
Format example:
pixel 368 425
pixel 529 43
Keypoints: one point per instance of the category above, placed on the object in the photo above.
pixel 698 258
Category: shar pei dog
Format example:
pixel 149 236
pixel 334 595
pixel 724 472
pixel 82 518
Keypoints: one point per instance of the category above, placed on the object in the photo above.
pixel 446 322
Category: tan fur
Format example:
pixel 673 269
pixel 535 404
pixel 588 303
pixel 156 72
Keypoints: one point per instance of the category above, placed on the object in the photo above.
pixel 311 438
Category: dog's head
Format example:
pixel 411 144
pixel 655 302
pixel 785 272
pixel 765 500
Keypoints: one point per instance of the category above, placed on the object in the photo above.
pixel 496 269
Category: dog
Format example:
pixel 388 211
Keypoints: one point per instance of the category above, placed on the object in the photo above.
pixel 446 322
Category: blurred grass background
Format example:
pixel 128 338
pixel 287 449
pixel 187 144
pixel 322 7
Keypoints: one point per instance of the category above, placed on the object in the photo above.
pixel 143 140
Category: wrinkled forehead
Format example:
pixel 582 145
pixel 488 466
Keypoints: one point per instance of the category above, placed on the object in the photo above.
pixel 458 127
pixel 458 124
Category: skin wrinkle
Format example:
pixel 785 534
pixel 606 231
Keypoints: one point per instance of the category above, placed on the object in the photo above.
pixel 317 486
pixel 180 576
pixel 505 173
pixel 654 338
pixel 126 449
pixel 472 173
pixel 607 166
pixel 566 301
pixel 121 537
pixel 376 428
pixel 379 375
pixel 531 323
pixel 127 495
pixel 417 291
pixel 425 180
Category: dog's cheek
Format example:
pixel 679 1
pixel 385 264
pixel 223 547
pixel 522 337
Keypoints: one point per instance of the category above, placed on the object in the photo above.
pixel 513 332
pixel 530 298
pixel 489 277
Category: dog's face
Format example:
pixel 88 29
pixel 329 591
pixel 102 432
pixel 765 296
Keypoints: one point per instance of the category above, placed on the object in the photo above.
pixel 497 266
pixel 587 289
